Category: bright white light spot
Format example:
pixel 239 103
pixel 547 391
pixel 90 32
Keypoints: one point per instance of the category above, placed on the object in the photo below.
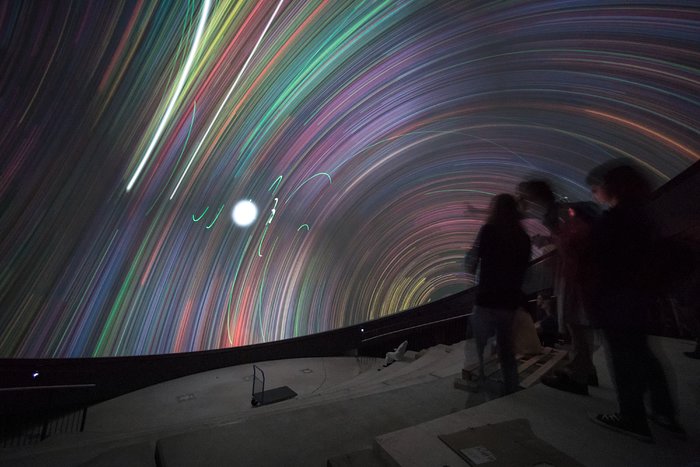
pixel 244 213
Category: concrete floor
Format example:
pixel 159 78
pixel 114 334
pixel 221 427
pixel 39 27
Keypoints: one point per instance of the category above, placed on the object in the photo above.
pixel 346 405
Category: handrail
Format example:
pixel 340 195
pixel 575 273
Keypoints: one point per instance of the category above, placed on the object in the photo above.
pixel 432 323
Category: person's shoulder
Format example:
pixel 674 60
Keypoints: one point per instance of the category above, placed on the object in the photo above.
pixel 487 229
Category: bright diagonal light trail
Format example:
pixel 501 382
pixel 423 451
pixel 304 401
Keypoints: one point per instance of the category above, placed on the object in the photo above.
pixel 228 94
pixel 175 96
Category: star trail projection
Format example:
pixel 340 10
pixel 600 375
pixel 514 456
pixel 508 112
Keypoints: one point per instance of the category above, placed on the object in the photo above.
pixel 362 139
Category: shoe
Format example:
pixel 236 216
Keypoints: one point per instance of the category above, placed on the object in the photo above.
pixel 614 422
pixel 564 383
pixel 670 424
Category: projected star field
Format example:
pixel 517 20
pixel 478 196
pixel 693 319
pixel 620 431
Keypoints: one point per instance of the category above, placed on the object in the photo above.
pixel 195 175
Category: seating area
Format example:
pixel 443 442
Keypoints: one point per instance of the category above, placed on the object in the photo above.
pixel 354 411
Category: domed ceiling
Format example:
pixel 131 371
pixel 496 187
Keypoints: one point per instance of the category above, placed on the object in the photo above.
pixel 362 139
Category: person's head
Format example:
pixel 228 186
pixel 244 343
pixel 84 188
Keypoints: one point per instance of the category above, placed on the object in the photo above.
pixel 600 195
pixel 626 184
pixel 535 195
pixel 595 180
pixel 504 210
pixel 618 181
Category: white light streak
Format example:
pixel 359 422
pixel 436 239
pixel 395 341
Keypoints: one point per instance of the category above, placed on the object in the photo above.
pixel 176 94
pixel 228 94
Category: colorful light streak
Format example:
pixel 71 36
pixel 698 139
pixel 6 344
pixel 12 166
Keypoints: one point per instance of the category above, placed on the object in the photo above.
pixel 414 112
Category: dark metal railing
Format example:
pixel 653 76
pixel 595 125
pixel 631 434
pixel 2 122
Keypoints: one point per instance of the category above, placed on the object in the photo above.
pixel 22 429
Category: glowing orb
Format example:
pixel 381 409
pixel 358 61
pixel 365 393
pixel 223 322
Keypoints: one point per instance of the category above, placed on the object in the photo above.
pixel 244 213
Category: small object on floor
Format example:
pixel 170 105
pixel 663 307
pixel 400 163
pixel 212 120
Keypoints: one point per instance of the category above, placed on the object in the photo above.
pixel 614 422
pixel 396 355
pixel 694 354
pixel 563 382
pixel 670 424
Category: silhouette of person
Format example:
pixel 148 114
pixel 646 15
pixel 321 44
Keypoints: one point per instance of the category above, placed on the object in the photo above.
pixel 501 254
pixel 573 270
pixel 619 301
pixel 568 232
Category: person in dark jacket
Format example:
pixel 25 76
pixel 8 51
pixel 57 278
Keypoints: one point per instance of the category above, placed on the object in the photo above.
pixel 620 298
pixel 501 255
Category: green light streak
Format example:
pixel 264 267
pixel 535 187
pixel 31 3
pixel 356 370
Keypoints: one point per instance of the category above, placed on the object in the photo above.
pixel 276 183
pixel 302 226
pixel 198 218
pixel 217 216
